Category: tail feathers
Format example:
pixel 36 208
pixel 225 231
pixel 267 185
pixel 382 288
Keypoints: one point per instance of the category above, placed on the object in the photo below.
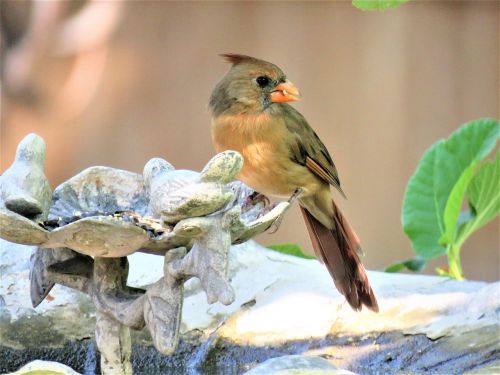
pixel 338 248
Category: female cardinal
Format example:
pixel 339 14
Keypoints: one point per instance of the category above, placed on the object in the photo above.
pixel 283 155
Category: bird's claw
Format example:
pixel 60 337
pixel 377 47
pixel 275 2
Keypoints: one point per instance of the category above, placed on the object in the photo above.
pixel 295 195
pixel 276 224
pixel 256 198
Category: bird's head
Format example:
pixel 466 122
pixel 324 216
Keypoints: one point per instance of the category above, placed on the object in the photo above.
pixel 251 85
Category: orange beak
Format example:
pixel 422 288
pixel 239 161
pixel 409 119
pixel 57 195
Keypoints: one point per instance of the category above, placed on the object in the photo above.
pixel 285 92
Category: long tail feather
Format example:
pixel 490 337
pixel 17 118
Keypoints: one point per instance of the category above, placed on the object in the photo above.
pixel 338 248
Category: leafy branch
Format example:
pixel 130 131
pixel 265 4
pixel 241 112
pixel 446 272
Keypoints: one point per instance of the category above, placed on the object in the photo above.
pixel 450 170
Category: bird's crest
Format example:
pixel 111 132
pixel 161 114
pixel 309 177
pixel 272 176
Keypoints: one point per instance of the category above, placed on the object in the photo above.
pixel 236 59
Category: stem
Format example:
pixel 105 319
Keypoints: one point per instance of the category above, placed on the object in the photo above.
pixel 112 337
pixel 113 341
pixel 454 262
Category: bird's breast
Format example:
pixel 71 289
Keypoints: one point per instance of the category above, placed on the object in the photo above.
pixel 264 145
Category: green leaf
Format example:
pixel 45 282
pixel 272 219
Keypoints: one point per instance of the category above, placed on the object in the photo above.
pixel 435 192
pixel 484 198
pixel 460 155
pixel 454 204
pixel 377 4
pixel 290 249
pixel 421 216
pixel 415 265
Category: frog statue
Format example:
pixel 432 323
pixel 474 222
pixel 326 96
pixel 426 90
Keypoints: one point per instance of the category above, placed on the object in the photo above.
pixel 85 229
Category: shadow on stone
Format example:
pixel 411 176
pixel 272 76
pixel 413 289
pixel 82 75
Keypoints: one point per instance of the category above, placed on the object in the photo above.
pixel 384 353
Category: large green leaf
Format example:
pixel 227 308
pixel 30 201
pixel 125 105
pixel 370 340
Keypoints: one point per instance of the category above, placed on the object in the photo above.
pixel 377 4
pixel 484 198
pixel 421 218
pixel 435 192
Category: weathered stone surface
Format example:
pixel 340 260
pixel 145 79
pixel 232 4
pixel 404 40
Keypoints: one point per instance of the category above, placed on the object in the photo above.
pixel 83 214
pixel 42 280
pixel 106 213
pixel 109 213
pixel 283 305
pixel 297 365
pixel 222 168
pixel 99 189
pixel 24 189
pixel 180 194
pixel 207 259
pixel 18 229
pixel 99 236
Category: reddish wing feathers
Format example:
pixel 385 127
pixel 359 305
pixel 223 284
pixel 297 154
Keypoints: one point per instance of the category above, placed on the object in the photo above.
pixel 324 174
pixel 337 248
pixel 316 168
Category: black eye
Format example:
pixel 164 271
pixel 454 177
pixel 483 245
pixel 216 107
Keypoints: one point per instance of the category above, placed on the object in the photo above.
pixel 263 81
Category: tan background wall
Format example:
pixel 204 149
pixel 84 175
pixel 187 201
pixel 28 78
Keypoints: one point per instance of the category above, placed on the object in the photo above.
pixel 378 87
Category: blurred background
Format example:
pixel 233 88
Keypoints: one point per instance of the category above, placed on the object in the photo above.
pixel 119 82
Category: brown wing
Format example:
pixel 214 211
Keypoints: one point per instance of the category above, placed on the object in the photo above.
pixel 307 149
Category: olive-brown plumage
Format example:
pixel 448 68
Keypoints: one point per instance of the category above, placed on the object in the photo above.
pixel 282 152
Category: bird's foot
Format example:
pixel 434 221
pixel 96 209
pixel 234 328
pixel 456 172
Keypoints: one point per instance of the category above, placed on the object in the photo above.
pixel 254 199
pixel 276 225
pixel 295 195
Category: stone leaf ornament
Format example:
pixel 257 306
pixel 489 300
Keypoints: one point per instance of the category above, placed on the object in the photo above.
pixel 85 229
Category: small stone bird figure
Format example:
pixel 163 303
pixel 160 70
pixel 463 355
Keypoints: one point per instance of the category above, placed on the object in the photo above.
pixel 283 156
pixel 24 188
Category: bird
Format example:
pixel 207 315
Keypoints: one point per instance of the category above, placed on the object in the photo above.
pixel 284 157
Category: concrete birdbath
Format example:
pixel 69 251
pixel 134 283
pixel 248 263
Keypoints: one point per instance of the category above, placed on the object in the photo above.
pixel 85 229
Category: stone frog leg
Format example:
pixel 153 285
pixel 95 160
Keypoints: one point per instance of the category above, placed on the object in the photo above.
pixel 50 266
pixel 163 306
pixel 208 258
pixel 111 295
